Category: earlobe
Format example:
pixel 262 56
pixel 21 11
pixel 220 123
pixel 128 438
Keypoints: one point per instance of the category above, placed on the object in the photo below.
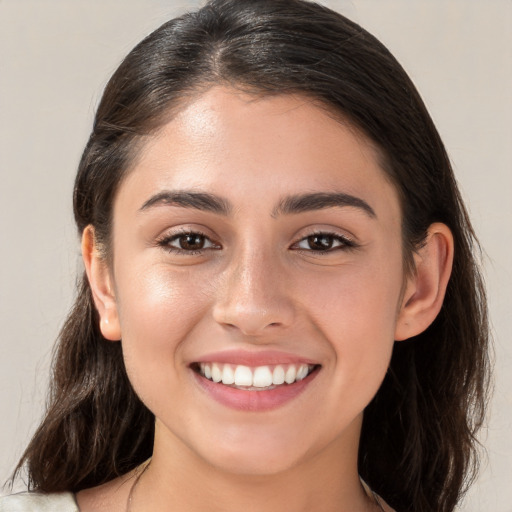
pixel 425 289
pixel 100 281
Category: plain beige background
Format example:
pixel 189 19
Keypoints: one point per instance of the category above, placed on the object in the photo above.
pixel 55 58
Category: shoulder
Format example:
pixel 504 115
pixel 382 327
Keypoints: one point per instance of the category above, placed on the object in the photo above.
pixel 39 502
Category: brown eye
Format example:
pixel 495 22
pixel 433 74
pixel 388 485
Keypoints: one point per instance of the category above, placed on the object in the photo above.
pixel 191 242
pixel 324 242
pixel 320 242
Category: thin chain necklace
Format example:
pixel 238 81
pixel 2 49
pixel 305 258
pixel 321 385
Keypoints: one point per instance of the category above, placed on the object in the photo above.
pixel 374 495
pixel 134 485
pixel 377 500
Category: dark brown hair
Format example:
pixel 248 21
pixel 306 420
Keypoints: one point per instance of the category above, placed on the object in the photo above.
pixel 418 447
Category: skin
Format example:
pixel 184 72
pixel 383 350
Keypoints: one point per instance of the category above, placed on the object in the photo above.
pixel 258 285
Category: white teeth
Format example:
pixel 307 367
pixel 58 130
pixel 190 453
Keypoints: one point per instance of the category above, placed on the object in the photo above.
pixel 216 373
pixel 258 377
pixel 243 376
pixel 228 377
pixel 278 375
pixel 290 375
pixel 262 377
pixel 302 372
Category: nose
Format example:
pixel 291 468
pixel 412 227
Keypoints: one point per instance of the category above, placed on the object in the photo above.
pixel 255 297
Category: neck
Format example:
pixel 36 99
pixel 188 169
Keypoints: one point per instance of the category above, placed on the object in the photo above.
pixel 176 475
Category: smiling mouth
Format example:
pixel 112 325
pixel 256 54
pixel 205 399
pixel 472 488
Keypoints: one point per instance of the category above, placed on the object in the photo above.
pixel 259 378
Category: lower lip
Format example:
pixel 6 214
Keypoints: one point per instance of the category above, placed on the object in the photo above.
pixel 254 401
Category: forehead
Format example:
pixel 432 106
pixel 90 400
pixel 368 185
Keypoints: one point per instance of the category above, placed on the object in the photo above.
pixel 252 148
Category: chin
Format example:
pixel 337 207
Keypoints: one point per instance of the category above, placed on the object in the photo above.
pixel 256 463
pixel 263 451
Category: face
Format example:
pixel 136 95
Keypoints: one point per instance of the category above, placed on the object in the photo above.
pixel 256 242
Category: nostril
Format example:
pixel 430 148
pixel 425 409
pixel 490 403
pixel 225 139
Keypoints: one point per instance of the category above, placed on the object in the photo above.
pixel 253 317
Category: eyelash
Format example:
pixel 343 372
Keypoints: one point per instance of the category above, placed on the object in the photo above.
pixel 345 243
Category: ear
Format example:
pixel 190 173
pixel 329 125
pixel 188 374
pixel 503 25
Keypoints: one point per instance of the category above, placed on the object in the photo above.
pixel 101 283
pixel 426 287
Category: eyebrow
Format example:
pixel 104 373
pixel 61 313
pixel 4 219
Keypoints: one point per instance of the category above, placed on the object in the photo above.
pixel 288 205
pixel 319 201
pixel 188 199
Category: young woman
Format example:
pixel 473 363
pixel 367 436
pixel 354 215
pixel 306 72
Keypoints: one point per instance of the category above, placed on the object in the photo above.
pixel 281 308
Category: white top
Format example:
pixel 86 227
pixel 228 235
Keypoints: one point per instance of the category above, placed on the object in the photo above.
pixel 38 502
pixel 65 502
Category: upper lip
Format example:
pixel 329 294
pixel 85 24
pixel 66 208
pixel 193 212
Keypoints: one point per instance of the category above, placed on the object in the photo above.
pixel 256 358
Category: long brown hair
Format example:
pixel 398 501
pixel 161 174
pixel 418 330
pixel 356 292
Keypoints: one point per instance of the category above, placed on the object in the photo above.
pixel 418 447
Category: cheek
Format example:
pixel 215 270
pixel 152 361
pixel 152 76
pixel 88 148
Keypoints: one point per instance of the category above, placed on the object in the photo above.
pixel 158 309
pixel 355 310
pixel 359 298
pixel 156 297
